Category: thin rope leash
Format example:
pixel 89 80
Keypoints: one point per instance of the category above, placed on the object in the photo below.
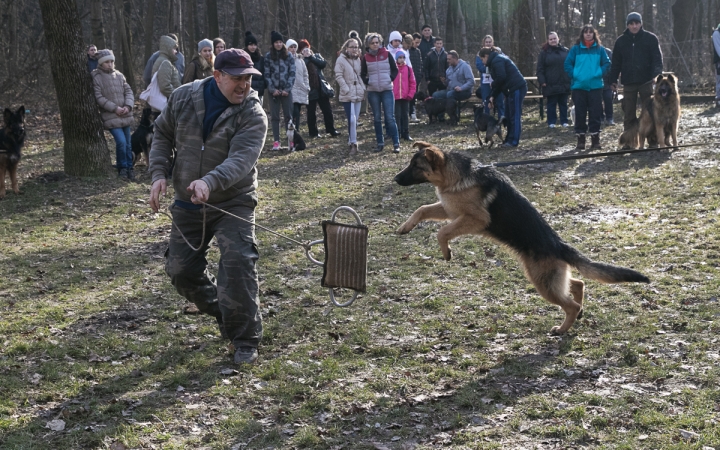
pixel 304 245
pixel 596 155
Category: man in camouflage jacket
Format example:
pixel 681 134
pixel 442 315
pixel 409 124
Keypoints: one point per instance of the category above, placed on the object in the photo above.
pixel 209 136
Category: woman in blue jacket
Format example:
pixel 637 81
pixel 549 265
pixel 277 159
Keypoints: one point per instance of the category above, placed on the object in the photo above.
pixel 483 92
pixel 586 64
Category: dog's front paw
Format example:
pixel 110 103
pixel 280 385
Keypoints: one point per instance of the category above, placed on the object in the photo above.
pixel 556 331
pixel 447 254
pixel 405 228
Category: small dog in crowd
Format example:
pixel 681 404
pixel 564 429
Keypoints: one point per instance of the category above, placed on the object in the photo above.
pixel 480 200
pixel 142 137
pixel 295 141
pixel 434 107
pixel 487 123
pixel 661 113
pixel 12 140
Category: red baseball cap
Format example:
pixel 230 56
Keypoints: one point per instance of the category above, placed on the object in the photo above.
pixel 235 62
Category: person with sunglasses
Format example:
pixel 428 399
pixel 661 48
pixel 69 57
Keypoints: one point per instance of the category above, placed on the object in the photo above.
pixel 218 127
pixel 378 71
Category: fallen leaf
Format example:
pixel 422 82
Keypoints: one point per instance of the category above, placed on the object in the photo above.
pixel 56 425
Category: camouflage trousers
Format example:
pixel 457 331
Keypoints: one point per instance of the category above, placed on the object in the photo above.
pixel 233 299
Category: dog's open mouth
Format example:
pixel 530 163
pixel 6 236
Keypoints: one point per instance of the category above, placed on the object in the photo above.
pixel 664 93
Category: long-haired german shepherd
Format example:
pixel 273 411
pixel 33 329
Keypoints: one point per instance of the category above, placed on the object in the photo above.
pixel 12 139
pixel 660 115
pixel 480 200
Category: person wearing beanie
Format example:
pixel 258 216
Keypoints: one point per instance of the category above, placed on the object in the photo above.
pixel 168 76
pixel 258 80
pixel 315 64
pixel 636 60
pixel 404 87
pixel 428 41
pixel 150 67
pixel 219 45
pixel 208 140
pixel 301 88
pixel 716 61
pixel 115 99
pixel 202 63
pixel 280 79
pixel 396 44
pixel 351 88
pixel 378 72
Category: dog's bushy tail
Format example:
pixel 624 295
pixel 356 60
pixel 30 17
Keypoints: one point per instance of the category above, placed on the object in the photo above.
pixel 602 272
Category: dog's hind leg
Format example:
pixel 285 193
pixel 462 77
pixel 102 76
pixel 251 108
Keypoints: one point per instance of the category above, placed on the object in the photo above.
pixel 552 280
pixel 2 179
pixel 479 139
pixel 577 290
pixel 425 212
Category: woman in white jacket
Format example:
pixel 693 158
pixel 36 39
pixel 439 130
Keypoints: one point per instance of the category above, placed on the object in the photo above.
pixel 352 87
pixel 301 88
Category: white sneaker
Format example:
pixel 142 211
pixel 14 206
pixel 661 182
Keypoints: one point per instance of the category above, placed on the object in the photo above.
pixel 413 117
pixel 552 125
pixel 565 125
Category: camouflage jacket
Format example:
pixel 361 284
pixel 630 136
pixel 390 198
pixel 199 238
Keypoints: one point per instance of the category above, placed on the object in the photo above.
pixel 226 161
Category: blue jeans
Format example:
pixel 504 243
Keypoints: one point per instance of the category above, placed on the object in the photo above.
pixel 123 149
pixel 514 102
pixel 448 94
pixel 387 100
pixel 553 103
pixel 483 92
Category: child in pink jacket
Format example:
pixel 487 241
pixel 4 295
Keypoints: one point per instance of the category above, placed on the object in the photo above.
pixel 404 90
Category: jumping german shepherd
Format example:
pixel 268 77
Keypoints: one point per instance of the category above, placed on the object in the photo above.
pixel 480 200
pixel 12 139
pixel 661 114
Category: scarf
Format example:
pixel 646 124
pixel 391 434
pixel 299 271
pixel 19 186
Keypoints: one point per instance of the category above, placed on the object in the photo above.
pixel 588 44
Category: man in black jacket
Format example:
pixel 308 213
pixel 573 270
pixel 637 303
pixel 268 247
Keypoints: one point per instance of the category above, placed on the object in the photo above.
pixel 637 56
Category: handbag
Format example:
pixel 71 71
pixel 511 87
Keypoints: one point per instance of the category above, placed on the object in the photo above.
pixel 153 96
pixel 326 89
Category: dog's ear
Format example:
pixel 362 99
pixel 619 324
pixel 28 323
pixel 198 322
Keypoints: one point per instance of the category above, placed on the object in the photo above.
pixel 671 78
pixel 659 79
pixel 435 157
pixel 21 111
pixel 421 145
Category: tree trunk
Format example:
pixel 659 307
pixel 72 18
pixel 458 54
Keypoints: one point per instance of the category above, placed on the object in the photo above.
pixel 527 50
pixel 495 13
pixel 85 149
pixel 212 15
pixel 272 6
pixel 239 26
pixel 124 37
pixel 149 35
pixel 620 16
pixel 96 23
pixel 683 12
pixel 610 21
pixel 463 28
pixel 14 43
pixel 648 15
pixel 190 23
pixel 434 18
pixel 551 21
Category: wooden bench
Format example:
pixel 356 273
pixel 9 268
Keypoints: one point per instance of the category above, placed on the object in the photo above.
pixel 533 96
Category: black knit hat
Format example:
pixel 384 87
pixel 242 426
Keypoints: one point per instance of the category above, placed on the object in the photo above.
pixel 275 36
pixel 250 38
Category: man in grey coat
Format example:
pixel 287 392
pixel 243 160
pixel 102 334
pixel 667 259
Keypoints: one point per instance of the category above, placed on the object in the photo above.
pixel 209 136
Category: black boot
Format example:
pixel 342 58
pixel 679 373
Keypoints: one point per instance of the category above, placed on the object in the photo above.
pixel 581 142
pixel 595 142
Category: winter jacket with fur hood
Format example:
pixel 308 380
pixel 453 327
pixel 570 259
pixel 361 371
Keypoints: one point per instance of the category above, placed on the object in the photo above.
pixel 225 161
pixel 113 92
pixel 168 77
pixel 198 69
pixel 347 75
pixel 301 88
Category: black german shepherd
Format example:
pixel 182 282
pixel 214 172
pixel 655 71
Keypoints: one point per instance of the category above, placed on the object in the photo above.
pixel 12 140
pixel 142 137
pixel 481 200
pixel 487 123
